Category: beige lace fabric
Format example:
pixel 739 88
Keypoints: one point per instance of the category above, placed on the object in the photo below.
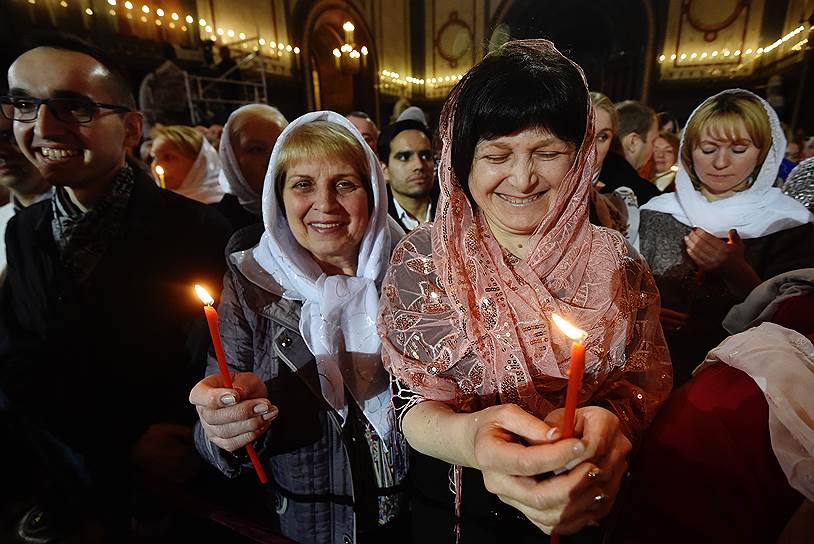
pixel 464 324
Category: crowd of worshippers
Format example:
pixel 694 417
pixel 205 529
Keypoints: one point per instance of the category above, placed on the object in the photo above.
pixel 384 303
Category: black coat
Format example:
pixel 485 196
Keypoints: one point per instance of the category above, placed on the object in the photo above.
pixel 617 172
pixel 95 366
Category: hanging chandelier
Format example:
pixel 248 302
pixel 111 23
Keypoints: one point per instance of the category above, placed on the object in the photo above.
pixel 349 59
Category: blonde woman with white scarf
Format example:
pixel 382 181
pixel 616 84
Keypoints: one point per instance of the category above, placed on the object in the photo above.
pixel 297 318
pixel 726 228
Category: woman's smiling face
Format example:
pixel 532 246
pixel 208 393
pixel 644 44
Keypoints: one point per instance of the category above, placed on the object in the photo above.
pixel 516 178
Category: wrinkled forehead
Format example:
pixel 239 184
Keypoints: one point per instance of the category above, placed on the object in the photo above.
pixel 46 72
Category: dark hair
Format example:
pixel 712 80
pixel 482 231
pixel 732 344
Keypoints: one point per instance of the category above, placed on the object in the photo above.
pixel 665 117
pixel 121 88
pixel 360 115
pixel 634 117
pixel 392 130
pixel 516 88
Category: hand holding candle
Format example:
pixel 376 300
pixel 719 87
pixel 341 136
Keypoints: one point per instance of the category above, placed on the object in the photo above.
pixel 212 320
pixel 159 170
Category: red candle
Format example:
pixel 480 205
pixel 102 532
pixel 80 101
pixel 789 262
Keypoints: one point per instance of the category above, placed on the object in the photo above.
pixel 576 369
pixel 214 332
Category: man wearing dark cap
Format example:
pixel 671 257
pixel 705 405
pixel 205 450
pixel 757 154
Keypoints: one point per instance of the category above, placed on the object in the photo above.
pixel 100 334
pixel 405 151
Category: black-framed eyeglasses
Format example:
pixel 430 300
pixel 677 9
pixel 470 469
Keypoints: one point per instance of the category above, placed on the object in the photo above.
pixel 68 110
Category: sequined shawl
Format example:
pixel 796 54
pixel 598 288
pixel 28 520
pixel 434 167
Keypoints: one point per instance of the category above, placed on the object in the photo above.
pixel 464 323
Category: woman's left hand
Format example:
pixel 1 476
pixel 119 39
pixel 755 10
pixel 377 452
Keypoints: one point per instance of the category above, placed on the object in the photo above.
pixel 608 447
pixel 710 253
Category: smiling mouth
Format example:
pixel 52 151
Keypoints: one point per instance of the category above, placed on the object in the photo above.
pixel 58 154
pixel 326 227
pixel 520 201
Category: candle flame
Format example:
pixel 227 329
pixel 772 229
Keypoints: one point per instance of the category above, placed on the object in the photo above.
pixel 568 329
pixel 204 295
pixel 159 170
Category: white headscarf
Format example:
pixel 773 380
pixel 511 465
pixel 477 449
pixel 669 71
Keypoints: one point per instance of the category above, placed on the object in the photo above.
pixel 338 319
pixel 231 178
pixel 760 210
pixel 201 182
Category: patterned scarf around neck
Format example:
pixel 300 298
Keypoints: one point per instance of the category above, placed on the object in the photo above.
pixel 83 236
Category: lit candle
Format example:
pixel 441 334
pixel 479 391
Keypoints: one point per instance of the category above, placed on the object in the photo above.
pixel 576 369
pixel 214 331
pixel 160 171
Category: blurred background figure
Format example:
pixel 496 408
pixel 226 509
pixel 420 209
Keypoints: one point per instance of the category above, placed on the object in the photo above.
pixel 665 157
pixel 800 184
pixel 668 122
pixel 245 149
pixel 366 126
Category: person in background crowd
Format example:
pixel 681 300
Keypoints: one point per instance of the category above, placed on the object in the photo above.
pixel 250 135
pixel 297 317
pixel 162 95
pixel 668 123
pixel 365 125
pixel 415 113
pixel 479 368
pixel 405 151
pixel 665 157
pixel 100 335
pixel 634 124
pixel 191 166
pixel 726 227
pixel 23 181
pixel 617 210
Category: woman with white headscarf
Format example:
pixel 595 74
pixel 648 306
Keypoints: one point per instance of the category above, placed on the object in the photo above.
pixel 726 228
pixel 297 318
pixel 245 149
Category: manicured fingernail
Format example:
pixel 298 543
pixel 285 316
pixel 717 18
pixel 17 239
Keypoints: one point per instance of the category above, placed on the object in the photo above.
pixel 579 447
pixel 228 400
pixel 271 414
pixel 260 408
pixel 553 433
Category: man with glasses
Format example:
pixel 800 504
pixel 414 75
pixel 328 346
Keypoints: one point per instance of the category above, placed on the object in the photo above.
pixel 100 335
pixel 24 182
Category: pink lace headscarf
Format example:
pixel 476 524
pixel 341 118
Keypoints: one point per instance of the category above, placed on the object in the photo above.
pixel 464 323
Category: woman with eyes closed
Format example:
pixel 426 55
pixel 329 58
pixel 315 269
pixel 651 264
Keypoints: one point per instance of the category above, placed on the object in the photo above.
pixel 726 228
pixel 478 368
pixel 297 318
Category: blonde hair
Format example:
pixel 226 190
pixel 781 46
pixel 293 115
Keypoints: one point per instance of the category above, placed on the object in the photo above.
pixel 324 140
pixel 602 102
pixel 261 111
pixel 724 114
pixel 186 139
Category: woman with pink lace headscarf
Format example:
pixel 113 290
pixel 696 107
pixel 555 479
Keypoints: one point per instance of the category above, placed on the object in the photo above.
pixel 479 370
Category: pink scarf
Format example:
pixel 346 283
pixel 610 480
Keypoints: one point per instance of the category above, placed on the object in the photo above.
pixel 464 324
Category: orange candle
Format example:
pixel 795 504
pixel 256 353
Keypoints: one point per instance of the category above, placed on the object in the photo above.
pixel 214 332
pixel 576 370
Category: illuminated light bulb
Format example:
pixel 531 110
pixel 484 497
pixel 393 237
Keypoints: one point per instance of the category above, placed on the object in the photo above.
pixel 208 29
pixel 202 21
pixel 296 50
pixel 189 19
pixel 280 46
pixel 759 50
pixel 715 53
pixel 704 55
pixel 220 31
pixel 748 51
pixel 683 56
pixel 727 52
pixel 64 4
pixel 272 45
pixel 348 27
pixel 694 55
pixel 262 41
pixel 128 4
pixel 432 80
pixel 183 28
pixel 364 50
pixel 336 52
pixel 661 58
pixel 174 16
pixel 158 22
pixel 213 37
pixel 143 19
pixel 230 33
pixel 242 35
pixel 145 9
pixel 737 52
pixel 446 78
pixel 112 12
pixel 289 48
pixel 89 11
pixel 32 2
pixel 172 25
pixel 673 56
pixel 111 2
pixel 159 12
